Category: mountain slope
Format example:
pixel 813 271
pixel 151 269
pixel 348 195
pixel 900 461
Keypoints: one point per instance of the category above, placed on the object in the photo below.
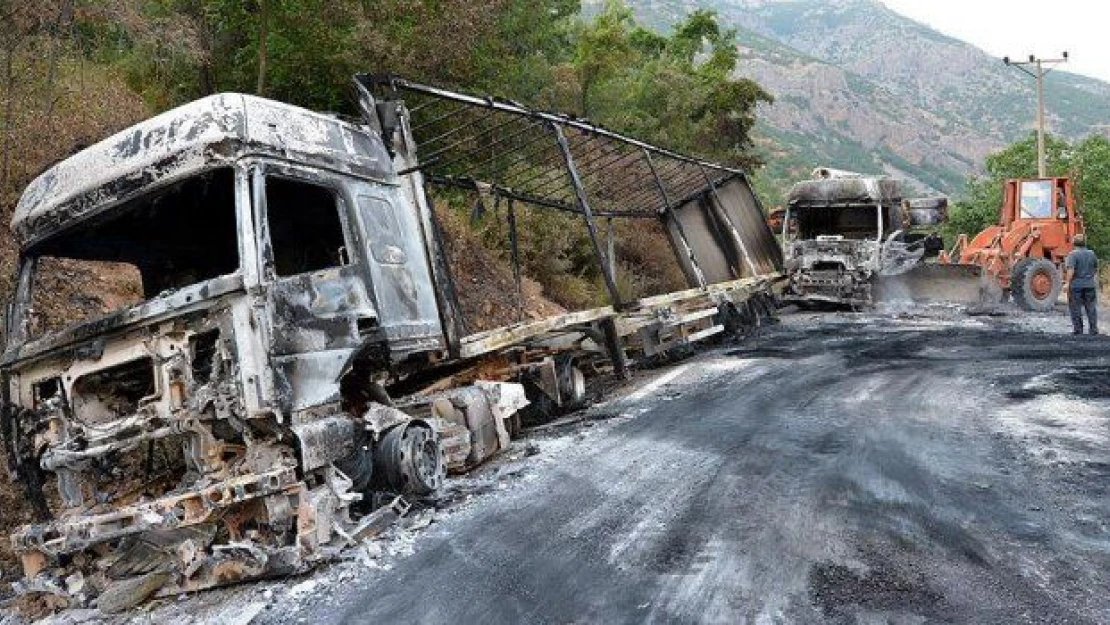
pixel 824 114
pixel 859 86
pixel 933 70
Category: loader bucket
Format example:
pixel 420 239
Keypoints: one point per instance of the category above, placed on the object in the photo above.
pixel 933 282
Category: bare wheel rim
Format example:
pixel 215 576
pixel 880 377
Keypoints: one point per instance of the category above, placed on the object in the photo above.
pixel 1040 284
pixel 426 457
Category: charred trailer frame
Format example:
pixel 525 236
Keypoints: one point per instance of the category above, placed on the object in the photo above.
pixel 502 150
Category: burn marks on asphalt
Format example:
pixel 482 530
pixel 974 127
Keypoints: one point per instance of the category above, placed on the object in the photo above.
pixel 1085 381
pixel 842 592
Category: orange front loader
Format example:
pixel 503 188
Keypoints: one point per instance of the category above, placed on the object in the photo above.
pixel 1025 251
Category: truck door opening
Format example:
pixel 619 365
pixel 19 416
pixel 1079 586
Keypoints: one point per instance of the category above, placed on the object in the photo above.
pixel 305 231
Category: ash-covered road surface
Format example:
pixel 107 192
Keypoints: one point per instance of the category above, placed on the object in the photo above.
pixel 838 469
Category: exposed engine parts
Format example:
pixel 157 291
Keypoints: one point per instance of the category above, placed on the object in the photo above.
pixel 252 506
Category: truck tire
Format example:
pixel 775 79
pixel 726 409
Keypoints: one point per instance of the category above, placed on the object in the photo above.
pixel 359 465
pixel 1035 284
pixel 408 457
pixel 572 395
pixel 572 383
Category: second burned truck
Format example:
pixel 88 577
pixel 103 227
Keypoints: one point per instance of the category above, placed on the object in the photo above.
pixel 852 240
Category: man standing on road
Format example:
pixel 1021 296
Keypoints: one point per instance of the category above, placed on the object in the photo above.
pixel 1080 280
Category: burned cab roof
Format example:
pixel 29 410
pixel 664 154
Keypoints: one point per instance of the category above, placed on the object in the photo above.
pixel 845 191
pixel 183 141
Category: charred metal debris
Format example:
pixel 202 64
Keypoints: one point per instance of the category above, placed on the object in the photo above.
pixel 298 370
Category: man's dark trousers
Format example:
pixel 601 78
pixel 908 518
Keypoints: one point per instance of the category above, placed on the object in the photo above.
pixel 1080 300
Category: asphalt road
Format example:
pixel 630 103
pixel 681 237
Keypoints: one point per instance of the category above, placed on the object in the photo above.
pixel 835 471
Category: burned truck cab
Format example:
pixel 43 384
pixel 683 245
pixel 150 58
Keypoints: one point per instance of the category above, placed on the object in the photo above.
pixel 279 267
pixel 835 231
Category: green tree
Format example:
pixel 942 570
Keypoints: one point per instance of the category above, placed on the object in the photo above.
pixel 305 51
pixel 603 49
pixel 301 51
pixel 678 90
pixel 517 55
pixel 1091 163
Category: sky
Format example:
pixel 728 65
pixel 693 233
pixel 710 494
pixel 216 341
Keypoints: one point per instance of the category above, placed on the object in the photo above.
pixel 1018 28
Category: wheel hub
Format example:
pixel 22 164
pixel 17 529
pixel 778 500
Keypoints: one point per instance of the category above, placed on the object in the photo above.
pixel 411 460
pixel 1041 285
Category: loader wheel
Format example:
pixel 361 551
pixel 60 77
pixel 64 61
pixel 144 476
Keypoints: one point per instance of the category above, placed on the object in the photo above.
pixel 1035 284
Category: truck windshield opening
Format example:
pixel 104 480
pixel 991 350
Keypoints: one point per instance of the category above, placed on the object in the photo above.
pixel 849 222
pixel 174 237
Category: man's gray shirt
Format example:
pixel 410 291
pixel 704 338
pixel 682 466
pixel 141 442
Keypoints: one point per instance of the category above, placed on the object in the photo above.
pixel 1084 263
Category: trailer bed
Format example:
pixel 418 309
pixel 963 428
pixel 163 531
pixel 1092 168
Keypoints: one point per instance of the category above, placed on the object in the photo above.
pixel 655 322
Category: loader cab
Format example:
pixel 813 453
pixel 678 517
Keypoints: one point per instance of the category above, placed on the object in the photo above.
pixel 1046 206
pixel 1039 199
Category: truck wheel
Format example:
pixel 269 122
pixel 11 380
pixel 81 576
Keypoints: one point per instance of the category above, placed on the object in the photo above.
pixel 410 459
pixel 359 465
pixel 1035 284
pixel 572 384
pixel 543 408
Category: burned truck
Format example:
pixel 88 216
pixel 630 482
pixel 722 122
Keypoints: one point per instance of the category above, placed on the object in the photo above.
pixel 847 234
pixel 281 275
pixel 293 365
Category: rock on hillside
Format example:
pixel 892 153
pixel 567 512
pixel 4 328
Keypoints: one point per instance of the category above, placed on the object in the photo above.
pixel 824 114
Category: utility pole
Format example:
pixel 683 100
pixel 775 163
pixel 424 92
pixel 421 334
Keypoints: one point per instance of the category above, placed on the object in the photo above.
pixel 1038 73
